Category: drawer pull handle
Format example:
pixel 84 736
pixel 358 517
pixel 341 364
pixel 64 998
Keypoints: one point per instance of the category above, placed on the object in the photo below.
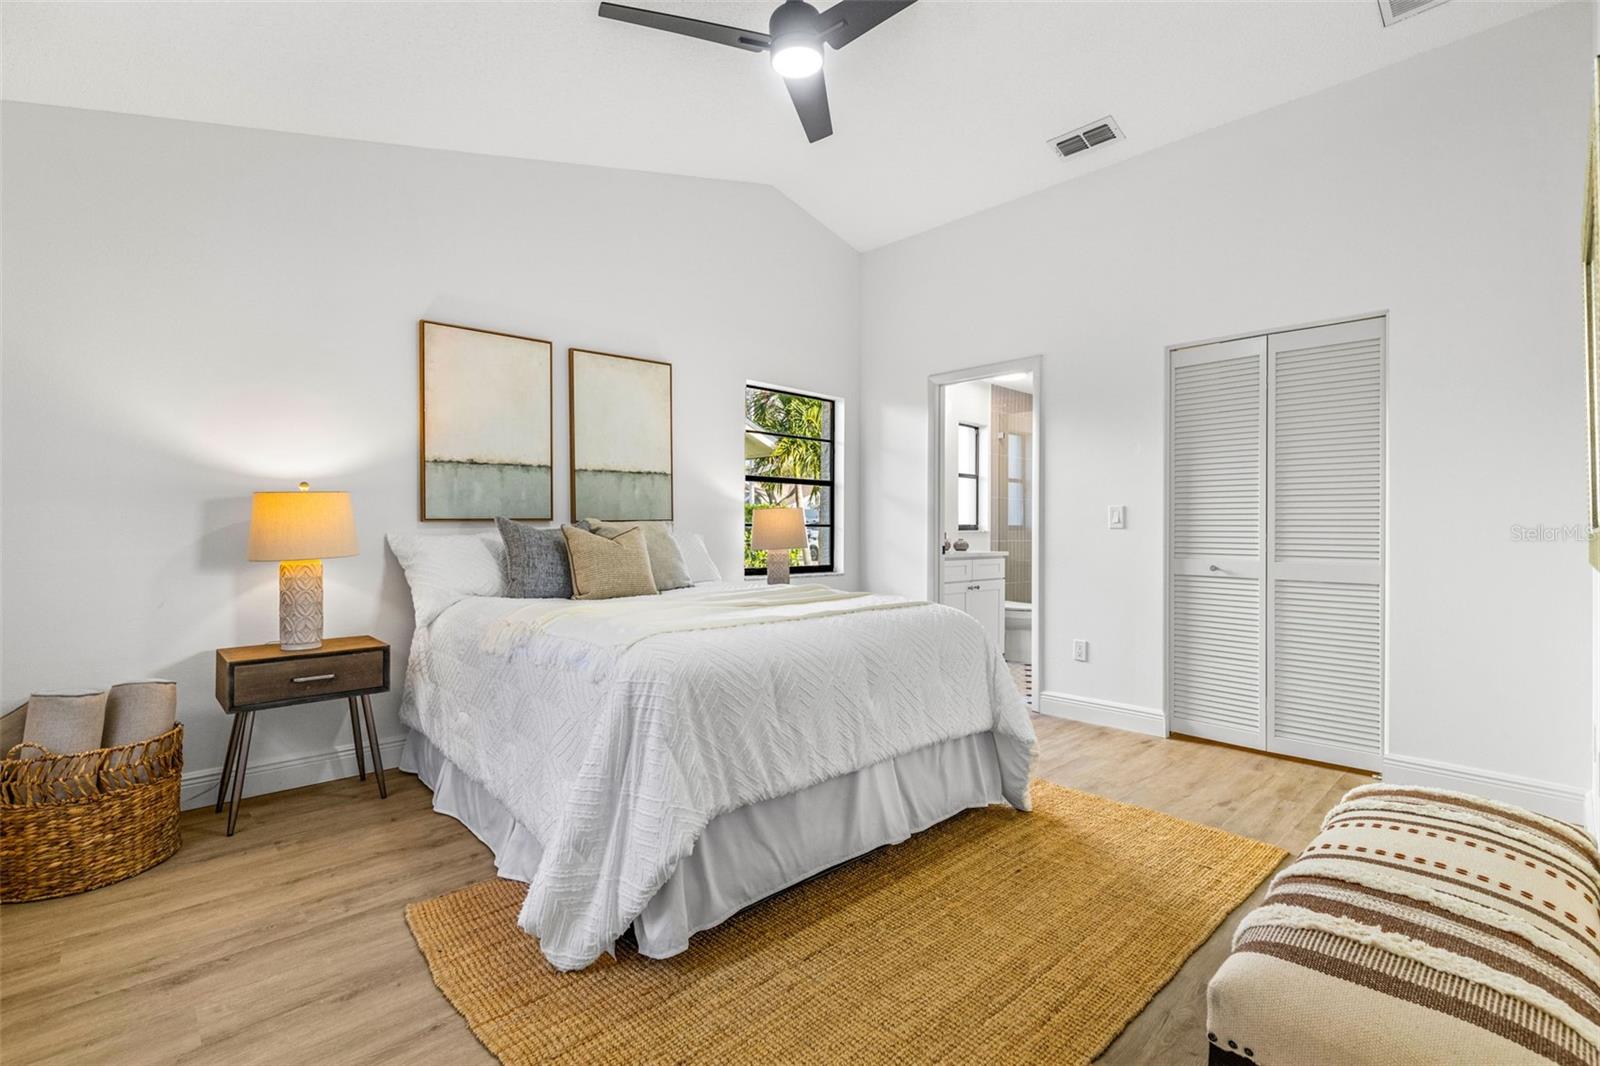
pixel 974 588
pixel 311 678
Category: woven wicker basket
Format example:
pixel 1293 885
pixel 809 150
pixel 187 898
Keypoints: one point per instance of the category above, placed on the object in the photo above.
pixel 69 823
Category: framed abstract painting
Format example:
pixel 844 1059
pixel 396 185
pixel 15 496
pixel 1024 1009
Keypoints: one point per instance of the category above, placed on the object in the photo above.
pixel 486 423
pixel 621 424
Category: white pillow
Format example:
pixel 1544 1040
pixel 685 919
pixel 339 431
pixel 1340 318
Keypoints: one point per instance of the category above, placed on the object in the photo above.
pixel 696 558
pixel 442 568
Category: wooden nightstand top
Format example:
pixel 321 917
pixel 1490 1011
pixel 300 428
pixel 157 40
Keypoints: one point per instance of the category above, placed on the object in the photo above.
pixel 266 653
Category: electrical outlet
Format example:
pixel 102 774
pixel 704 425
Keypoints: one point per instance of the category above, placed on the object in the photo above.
pixel 1080 651
pixel 1116 517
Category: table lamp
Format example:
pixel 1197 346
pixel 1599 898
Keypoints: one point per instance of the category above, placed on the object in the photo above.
pixel 776 530
pixel 298 530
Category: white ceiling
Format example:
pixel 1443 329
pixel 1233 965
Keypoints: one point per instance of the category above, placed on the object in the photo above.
pixel 941 111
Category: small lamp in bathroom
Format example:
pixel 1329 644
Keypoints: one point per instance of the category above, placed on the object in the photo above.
pixel 298 530
pixel 777 530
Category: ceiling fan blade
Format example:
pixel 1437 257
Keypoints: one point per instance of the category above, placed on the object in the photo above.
pixel 810 96
pixel 749 40
pixel 849 19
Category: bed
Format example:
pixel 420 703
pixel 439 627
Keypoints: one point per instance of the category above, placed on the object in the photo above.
pixel 658 763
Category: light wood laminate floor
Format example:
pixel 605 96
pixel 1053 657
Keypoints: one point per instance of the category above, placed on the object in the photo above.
pixel 287 943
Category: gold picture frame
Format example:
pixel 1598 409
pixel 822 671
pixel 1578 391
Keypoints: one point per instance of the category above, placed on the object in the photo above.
pixel 1591 315
pixel 487 439
pixel 619 425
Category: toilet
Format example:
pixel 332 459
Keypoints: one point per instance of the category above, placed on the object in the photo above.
pixel 1019 632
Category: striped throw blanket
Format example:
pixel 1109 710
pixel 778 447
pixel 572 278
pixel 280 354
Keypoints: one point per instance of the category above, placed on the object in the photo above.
pixel 1420 926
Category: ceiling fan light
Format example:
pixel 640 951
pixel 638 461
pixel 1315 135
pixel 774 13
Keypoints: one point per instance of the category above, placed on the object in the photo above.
pixel 796 59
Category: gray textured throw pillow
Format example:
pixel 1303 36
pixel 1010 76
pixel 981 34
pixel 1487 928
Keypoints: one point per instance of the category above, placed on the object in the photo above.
pixel 537 567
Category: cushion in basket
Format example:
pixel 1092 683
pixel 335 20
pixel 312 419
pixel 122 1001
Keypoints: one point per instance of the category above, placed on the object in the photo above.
pixel 605 568
pixel 667 568
pixel 1420 926
pixel 11 725
pixel 64 723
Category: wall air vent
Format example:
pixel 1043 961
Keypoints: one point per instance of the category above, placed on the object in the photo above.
pixel 1086 137
pixel 1395 10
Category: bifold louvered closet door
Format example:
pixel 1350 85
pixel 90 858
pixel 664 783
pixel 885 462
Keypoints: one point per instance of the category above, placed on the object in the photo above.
pixel 1276 588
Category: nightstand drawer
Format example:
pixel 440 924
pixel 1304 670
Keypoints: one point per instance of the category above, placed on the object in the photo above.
pixel 307 679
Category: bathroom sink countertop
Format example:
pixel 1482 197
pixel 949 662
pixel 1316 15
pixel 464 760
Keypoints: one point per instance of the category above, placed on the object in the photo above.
pixel 953 554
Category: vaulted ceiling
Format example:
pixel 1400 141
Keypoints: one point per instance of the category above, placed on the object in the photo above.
pixel 942 111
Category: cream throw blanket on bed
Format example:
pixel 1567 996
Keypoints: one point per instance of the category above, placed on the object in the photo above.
pixel 623 622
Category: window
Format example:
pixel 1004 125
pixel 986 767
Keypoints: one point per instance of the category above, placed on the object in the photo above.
pixel 1016 479
pixel 967 487
pixel 789 462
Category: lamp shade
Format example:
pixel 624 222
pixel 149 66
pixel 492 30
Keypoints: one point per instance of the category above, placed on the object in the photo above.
pixel 301 525
pixel 777 529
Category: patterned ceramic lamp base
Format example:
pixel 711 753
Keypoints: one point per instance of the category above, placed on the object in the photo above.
pixel 300 605
pixel 777 568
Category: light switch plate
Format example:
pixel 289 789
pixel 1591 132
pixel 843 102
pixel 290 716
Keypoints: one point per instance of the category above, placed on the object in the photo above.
pixel 1080 651
pixel 1116 517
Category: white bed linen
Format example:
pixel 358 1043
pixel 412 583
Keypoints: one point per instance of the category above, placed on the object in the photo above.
pixel 616 759
pixel 747 854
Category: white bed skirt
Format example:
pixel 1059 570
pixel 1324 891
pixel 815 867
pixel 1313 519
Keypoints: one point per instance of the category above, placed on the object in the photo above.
pixel 748 854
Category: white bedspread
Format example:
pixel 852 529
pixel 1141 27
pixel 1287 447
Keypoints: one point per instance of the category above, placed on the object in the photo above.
pixel 617 755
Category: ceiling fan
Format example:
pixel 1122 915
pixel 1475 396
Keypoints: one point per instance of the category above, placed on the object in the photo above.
pixel 795 36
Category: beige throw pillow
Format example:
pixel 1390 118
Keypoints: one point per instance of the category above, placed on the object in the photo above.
pixel 667 567
pixel 604 568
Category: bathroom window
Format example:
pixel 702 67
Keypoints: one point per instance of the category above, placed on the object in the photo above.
pixel 968 438
pixel 1016 479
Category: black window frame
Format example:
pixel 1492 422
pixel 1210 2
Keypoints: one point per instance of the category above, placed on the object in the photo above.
pixel 977 482
pixel 828 483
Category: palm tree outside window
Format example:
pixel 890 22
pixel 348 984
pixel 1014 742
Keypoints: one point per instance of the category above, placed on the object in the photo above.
pixel 789 462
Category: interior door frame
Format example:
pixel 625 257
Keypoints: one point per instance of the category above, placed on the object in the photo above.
pixel 1166 475
pixel 1032 364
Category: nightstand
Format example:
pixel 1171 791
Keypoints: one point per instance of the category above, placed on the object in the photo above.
pixel 263 676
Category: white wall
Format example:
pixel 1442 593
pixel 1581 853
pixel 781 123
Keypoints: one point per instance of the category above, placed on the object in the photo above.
pixel 195 312
pixel 1447 190
pixel 967 401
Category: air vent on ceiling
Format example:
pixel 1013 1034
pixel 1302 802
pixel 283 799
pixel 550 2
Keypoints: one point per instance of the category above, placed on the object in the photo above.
pixel 1395 10
pixel 1086 137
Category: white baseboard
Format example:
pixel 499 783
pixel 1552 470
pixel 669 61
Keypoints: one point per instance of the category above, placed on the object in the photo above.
pixel 275 775
pixel 1148 720
pixel 1566 802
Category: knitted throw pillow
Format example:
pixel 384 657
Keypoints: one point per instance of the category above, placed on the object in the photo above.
pixel 605 568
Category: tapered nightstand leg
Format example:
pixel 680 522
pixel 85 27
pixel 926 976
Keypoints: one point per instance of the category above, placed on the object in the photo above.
pixel 355 735
pixel 372 739
pixel 228 760
pixel 240 762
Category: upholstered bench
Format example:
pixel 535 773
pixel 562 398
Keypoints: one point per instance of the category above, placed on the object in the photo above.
pixel 1421 926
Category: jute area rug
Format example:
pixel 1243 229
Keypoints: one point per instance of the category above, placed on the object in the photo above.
pixel 995 936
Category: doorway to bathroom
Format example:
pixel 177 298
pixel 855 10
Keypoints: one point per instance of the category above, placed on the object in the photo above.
pixel 984 506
